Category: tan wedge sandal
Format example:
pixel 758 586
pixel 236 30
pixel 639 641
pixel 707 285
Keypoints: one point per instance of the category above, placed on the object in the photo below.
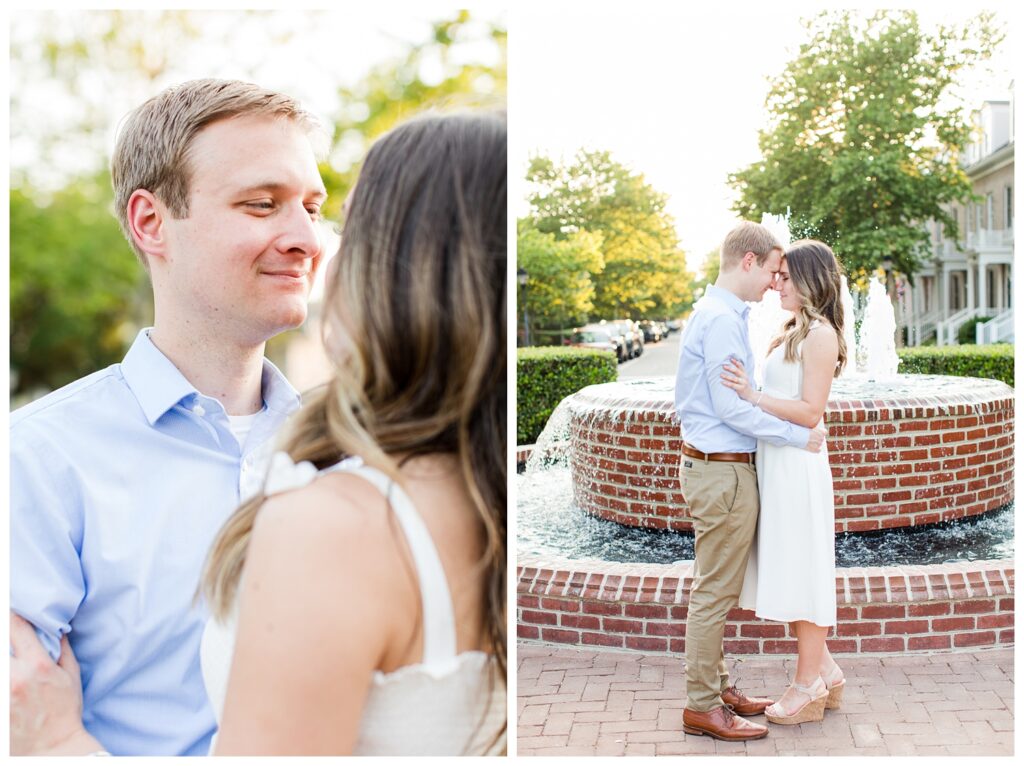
pixel 834 682
pixel 812 710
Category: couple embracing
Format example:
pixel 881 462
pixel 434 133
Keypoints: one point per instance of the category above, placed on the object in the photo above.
pixel 173 576
pixel 756 476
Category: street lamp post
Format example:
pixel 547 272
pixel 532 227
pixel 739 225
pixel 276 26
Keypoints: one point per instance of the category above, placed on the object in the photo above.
pixel 523 276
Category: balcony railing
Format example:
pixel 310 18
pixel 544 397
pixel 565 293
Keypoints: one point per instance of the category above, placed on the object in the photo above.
pixel 999 328
pixel 946 332
pixel 985 238
pixel 923 327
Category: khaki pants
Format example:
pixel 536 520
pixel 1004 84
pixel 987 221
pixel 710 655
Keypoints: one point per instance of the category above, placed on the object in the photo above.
pixel 724 505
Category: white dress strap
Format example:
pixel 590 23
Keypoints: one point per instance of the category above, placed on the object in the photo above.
pixel 438 613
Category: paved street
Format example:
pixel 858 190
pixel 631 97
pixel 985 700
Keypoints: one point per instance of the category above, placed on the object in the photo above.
pixel 579 702
pixel 658 359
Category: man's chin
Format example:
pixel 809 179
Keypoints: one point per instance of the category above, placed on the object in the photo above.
pixel 289 319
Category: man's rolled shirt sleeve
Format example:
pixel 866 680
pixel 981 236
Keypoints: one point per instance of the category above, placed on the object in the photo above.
pixel 47 583
pixel 722 342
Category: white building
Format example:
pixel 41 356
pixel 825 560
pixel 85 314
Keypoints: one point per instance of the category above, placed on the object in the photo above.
pixel 972 277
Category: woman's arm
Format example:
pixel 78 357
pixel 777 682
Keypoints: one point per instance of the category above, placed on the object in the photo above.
pixel 316 616
pixel 820 354
pixel 46 697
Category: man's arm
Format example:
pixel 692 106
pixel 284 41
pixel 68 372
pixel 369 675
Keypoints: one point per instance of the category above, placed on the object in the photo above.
pixel 47 587
pixel 723 340
pixel 47 583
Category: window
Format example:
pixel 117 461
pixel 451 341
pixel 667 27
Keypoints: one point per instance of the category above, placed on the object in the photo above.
pixel 1008 212
pixel 990 212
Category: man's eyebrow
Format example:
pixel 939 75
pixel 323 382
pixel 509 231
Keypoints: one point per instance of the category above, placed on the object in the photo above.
pixel 319 194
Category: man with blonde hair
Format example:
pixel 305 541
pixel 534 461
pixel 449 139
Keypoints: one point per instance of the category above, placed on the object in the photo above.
pixel 120 481
pixel 720 432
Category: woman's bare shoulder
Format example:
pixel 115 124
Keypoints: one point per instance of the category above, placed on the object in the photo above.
pixel 336 513
pixel 821 343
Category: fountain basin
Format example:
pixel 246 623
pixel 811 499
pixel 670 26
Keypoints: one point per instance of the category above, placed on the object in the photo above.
pixel 643 607
pixel 910 451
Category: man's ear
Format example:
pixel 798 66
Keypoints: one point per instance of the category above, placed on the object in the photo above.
pixel 146 223
pixel 749 259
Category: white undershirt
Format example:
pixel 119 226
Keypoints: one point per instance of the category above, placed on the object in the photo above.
pixel 240 426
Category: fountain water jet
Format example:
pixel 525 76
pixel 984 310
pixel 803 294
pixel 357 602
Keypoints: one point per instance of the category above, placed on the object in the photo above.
pixel 849 332
pixel 877 335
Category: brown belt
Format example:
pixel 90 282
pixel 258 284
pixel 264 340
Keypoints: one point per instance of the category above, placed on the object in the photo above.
pixel 719 457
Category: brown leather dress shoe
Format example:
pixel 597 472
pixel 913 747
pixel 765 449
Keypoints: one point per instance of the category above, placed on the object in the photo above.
pixel 722 723
pixel 744 705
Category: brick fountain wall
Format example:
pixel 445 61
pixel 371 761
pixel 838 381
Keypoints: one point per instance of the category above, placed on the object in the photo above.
pixel 880 609
pixel 896 461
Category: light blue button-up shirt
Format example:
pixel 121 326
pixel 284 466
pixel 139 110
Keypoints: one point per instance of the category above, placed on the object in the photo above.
pixel 119 483
pixel 713 416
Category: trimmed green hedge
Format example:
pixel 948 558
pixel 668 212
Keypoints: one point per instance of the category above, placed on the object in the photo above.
pixel 993 361
pixel 545 375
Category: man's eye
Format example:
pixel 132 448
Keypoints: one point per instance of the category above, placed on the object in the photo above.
pixel 261 205
pixel 314 212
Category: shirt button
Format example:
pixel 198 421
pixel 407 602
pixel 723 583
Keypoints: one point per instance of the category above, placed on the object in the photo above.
pixel 198 410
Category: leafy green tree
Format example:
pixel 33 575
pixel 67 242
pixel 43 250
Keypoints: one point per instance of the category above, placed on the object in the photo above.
pixel 864 143
pixel 560 289
pixel 395 90
pixel 710 267
pixel 76 286
pixel 645 270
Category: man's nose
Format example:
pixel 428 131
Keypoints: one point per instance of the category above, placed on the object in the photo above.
pixel 300 235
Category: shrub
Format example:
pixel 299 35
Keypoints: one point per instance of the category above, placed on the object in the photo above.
pixel 545 375
pixel 967 333
pixel 993 361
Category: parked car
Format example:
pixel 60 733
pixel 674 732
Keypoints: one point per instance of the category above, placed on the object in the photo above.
pixel 600 338
pixel 631 329
pixel 618 330
pixel 639 333
pixel 652 331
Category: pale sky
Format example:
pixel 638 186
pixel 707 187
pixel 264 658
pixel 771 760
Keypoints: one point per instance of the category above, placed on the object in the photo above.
pixel 339 49
pixel 675 95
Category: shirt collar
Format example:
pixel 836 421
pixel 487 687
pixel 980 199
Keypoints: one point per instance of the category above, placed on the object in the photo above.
pixel 729 299
pixel 158 385
pixel 278 394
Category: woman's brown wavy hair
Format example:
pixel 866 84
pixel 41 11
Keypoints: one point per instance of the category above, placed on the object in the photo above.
pixel 415 314
pixel 818 278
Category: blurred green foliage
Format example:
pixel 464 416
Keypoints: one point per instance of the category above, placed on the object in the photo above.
pixel 75 285
pixel 396 90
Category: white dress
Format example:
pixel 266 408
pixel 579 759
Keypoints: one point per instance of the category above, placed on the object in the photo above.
pixel 447 704
pixel 791 570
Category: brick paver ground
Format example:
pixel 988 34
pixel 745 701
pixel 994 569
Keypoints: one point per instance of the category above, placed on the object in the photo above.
pixel 580 702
